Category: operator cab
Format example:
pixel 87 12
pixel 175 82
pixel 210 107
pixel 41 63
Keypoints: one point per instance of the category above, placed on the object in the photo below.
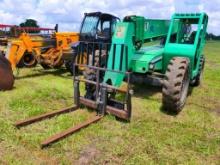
pixel 186 38
pixel 98 27
pixel 188 28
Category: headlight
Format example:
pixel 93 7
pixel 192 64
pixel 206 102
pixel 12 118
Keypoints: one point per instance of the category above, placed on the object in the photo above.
pixel 151 66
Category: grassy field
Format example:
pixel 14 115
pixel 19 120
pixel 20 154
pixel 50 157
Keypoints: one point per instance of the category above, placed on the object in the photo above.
pixel 152 137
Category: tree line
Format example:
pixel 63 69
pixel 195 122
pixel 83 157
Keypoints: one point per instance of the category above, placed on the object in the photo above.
pixel 15 31
pixel 211 36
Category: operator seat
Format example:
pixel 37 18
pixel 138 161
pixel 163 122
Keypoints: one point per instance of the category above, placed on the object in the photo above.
pixel 192 37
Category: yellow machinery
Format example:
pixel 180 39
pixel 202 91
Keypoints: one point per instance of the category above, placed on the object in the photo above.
pixel 25 46
pixel 29 49
pixel 47 51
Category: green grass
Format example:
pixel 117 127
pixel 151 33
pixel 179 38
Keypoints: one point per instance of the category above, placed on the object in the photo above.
pixel 152 137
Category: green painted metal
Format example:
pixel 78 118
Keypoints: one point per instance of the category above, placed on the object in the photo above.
pixel 142 59
pixel 139 29
pixel 130 33
pixel 192 51
pixel 136 30
pixel 155 28
pixel 122 35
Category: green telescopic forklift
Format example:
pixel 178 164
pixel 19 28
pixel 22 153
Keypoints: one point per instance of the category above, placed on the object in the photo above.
pixel 178 62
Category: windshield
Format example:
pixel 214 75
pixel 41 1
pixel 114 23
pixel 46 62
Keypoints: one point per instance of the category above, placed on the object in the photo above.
pixel 89 25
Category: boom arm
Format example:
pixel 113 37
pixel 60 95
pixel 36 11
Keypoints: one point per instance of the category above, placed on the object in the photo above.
pixel 129 37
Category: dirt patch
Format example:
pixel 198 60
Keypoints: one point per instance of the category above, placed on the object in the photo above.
pixel 88 155
pixel 212 106
pixel 216 104
pixel 216 110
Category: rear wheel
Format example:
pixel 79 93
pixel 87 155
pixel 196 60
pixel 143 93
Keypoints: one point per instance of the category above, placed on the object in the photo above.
pixel 45 66
pixel 176 84
pixel 197 81
pixel 6 74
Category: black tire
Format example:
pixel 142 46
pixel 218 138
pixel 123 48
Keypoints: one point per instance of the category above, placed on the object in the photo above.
pixel 90 74
pixel 198 79
pixel 59 64
pixel 176 84
pixel 6 74
pixel 90 88
pixel 69 66
pixel 45 66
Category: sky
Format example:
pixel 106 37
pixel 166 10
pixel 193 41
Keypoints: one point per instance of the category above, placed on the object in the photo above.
pixel 69 13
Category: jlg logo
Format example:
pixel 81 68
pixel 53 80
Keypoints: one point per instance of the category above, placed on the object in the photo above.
pixel 120 31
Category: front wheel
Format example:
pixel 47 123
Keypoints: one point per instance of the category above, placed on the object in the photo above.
pixel 176 84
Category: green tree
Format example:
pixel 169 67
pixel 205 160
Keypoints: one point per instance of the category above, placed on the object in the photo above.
pixel 30 23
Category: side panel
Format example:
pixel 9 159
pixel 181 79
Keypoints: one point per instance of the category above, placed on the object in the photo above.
pixel 63 40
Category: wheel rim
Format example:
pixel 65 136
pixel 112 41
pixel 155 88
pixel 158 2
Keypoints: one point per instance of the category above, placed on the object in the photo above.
pixel 29 60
